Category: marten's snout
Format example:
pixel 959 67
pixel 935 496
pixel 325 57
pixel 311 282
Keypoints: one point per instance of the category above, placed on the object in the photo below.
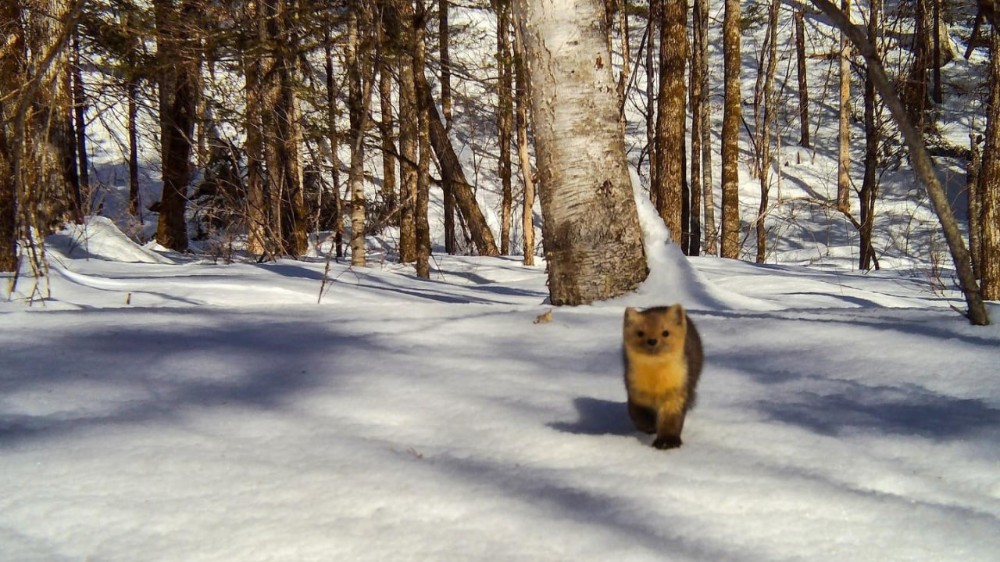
pixel 651 342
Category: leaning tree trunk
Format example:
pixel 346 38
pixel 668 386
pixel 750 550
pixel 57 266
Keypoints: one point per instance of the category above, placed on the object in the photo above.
pixel 453 179
pixel 920 160
pixel 591 233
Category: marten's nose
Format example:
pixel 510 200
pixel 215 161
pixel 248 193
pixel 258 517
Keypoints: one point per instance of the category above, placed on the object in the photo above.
pixel 651 342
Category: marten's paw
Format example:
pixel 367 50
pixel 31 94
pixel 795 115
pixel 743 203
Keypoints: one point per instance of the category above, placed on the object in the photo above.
pixel 671 442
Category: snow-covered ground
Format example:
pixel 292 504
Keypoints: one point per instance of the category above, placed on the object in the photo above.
pixel 159 408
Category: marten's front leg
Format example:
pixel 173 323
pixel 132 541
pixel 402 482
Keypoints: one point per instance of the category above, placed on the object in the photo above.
pixel 669 423
pixel 644 419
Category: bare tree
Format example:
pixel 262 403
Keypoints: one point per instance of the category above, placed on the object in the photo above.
pixel 591 231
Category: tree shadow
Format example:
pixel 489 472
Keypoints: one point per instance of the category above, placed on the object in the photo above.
pixel 858 408
pixel 116 372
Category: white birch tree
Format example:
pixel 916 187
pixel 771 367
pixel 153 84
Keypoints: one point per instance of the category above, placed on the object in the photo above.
pixel 591 234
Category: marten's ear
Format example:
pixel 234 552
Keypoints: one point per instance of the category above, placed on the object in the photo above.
pixel 677 314
pixel 631 314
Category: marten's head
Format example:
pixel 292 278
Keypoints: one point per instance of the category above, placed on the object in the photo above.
pixel 655 331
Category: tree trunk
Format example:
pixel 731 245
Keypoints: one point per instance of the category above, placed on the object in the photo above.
pixel 670 119
pixel 444 44
pixel 915 87
pixel 454 179
pixel 844 127
pixel 179 59
pixel 873 136
pixel 12 76
pixel 79 125
pixel 651 146
pixel 592 239
pixel 423 146
pixel 989 185
pixel 972 193
pixel 524 158
pixel 134 197
pixel 803 76
pixel 387 51
pixel 407 136
pixel 705 118
pixel 444 55
pixel 731 131
pixel 333 137
pixel 764 119
pixel 697 133
pixel 356 107
pixel 505 120
pixel 257 216
pixel 920 160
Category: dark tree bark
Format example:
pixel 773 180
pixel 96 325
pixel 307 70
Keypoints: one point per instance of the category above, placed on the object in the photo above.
pixel 989 185
pixel 731 131
pixel 333 137
pixel 423 146
pixel 844 127
pixel 179 60
pixel 704 117
pixel 505 120
pixel 408 149
pixel 670 180
pixel 873 136
pixel 12 75
pixel 803 76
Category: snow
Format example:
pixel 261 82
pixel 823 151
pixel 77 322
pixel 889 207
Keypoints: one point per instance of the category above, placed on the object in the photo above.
pixel 165 408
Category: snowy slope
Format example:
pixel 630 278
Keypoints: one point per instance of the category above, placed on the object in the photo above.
pixel 224 415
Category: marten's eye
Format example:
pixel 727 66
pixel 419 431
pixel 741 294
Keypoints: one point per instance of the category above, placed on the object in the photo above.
pixel 641 334
pixel 666 333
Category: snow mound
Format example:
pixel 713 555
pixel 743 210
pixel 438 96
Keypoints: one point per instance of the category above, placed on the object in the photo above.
pixel 100 238
pixel 672 278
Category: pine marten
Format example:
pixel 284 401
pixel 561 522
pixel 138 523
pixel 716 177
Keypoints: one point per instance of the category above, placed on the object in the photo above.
pixel 663 359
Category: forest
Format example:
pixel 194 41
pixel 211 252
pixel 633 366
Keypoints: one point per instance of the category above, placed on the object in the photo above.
pixel 250 126
pixel 281 279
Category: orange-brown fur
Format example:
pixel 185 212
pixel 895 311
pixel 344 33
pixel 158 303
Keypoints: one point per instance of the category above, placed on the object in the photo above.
pixel 663 360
